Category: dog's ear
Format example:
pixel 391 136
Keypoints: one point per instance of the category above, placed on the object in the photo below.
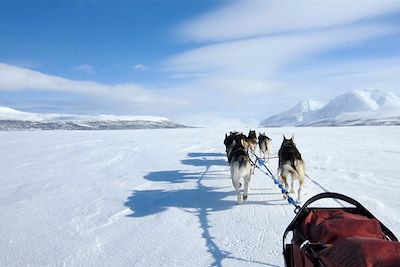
pixel 284 137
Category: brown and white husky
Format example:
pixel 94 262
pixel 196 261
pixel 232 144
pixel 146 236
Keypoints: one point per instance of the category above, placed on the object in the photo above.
pixel 290 162
pixel 264 143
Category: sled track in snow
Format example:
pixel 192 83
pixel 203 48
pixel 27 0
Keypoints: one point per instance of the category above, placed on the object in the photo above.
pixel 323 188
pixel 268 168
pixel 316 183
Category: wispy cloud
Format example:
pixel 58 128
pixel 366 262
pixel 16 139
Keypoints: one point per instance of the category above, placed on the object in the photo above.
pixel 14 78
pixel 245 19
pixel 244 51
pixel 85 68
pixel 381 73
pixel 140 67
pixel 251 63
pixel 186 75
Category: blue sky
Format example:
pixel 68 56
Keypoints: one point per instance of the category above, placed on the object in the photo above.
pixel 113 36
pixel 193 61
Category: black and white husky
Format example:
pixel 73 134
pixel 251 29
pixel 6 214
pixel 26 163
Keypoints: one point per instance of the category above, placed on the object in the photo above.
pixel 290 162
pixel 252 139
pixel 228 141
pixel 240 165
pixel 264 143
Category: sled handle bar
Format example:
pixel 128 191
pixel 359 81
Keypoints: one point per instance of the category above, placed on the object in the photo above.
pixel 338 197
pixel 303 211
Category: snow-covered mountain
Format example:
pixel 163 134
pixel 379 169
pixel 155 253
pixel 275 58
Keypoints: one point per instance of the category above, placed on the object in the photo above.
pixel 293 116
pixel 357 107
pixel 11 119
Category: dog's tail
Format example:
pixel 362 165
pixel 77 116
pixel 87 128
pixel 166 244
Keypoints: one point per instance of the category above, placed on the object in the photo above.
pixel 301 169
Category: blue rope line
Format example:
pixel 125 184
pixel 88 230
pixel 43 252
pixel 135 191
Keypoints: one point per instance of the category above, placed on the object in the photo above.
pixel 276 181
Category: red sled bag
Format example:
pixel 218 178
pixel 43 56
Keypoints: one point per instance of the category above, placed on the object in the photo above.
pixel 339 237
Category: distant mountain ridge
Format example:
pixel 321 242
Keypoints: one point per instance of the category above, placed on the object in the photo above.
pixel 357 107
pixel 294 115
pixel 11 119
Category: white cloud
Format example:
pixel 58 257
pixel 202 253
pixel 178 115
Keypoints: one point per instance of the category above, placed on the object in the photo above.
pixel 14 78
pixel 381 73
pixel 186 75
pixel 244 19
pixel 250 65
pixel 258 54
pixel 141 67
pixel 86 68
pixel 248 49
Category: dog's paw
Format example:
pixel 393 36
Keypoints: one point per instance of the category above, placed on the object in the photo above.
pixel 244 198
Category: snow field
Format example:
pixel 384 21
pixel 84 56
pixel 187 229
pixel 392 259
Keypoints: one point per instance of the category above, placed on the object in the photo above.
pixel 165 197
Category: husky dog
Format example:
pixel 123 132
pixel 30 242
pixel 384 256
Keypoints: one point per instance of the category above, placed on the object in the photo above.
pixel 229 141
pixel 252 138
pixel 290 161
pixel 245 141
pixel 239 163
pixel 264 143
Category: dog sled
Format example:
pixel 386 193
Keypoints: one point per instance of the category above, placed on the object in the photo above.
pixel 349 236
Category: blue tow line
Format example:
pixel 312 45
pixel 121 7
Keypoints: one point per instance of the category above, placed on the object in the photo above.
pixel 276 181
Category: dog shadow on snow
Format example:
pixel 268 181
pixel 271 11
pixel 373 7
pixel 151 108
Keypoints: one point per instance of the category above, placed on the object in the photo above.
pixel 201 200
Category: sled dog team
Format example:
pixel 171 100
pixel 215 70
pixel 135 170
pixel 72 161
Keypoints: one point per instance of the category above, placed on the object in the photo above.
pixel 238 146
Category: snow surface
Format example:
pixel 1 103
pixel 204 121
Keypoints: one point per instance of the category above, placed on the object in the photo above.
pixel 165 198
pixel 356 107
